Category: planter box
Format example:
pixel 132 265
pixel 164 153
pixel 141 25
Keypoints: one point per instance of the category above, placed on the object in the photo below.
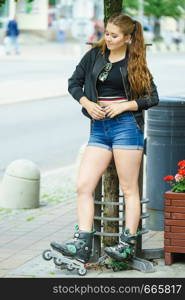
pixel 174 230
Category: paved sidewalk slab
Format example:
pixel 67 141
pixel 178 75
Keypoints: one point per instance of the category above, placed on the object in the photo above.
pixel 38 267
pixel 26 232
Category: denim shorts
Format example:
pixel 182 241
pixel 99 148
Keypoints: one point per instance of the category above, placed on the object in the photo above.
pixel 120 132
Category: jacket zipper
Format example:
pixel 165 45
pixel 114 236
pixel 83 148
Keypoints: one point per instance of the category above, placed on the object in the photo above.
pixel 127 96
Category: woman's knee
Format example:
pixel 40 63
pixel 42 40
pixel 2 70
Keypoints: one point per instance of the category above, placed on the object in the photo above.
pixel 129 189
pixel 84 187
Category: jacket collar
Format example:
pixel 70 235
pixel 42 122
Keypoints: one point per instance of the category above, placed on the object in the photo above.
pixel 107 53
pixel 101 61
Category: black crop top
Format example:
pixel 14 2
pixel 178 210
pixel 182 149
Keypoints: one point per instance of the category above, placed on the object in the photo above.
pixel 113 85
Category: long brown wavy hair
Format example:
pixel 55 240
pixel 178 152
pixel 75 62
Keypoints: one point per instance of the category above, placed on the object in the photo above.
pixel 139 75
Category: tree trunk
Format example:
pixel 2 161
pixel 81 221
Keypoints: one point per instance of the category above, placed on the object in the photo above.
pixel 111 7
pixel 111 194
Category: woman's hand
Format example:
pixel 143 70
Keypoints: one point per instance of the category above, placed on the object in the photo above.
pixel 95 110
pixel 115 109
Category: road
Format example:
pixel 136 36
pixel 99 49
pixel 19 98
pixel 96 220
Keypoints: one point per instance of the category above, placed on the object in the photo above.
pixel 168 70
pixel 48 132
pixel 51 131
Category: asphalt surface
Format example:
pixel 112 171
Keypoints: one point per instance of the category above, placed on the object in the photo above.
pixel 48 132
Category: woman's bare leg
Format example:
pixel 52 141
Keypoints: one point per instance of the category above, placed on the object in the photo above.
pixel 128 164
pixel 94 162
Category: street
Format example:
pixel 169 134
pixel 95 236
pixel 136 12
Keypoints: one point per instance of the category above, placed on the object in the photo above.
pixel 50 130
pixel 52 66
pixel 168 70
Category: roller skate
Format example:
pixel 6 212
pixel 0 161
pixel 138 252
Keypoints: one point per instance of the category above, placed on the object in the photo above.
pixel 123 256
pixel 74 254
pixel 122 253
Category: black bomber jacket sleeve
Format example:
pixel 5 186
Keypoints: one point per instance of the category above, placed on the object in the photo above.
pixel 76 81
pixel 145 102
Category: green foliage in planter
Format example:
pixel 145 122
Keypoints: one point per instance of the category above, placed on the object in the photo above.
pixel 179 187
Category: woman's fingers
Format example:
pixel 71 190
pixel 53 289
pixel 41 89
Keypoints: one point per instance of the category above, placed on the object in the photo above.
pixel 99 112
pixel 100 109
pixel 97 116
pixel 111 115
pixel 109 111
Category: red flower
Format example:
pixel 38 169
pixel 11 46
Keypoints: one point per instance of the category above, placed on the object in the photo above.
pixel 168 178
pixel 181 164
pixel 177 182
pixel 181 172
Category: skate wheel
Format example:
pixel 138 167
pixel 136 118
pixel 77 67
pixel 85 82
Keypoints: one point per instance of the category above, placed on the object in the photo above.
pixel 70 267
pixel 57 261
pixel 47 254
pixel 82 271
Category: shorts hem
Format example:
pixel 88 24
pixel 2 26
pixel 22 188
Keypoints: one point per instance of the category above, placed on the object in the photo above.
pixel 129 147
pixel 100 145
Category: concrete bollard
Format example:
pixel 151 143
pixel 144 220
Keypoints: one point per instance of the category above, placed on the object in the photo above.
pixel 20 186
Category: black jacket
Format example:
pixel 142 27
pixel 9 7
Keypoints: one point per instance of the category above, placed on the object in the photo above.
pixel 83 83
pixel 12 28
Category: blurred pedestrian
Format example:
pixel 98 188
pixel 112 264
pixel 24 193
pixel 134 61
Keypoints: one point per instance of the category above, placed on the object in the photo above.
pixel 11 39
pixel 168 39
pixel 98 31
pixel 62 26
pixel 177 38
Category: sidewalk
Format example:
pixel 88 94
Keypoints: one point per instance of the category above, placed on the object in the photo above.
pixel 26 233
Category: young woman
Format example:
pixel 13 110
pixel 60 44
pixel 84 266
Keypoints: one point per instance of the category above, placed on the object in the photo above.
pixel 113 84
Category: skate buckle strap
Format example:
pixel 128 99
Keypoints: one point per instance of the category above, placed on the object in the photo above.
pixel 138 233
pixel 77 229
pixel 122 244
pixel 128 238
